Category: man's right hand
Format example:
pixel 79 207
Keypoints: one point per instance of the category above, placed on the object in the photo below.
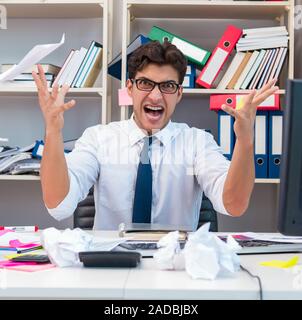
pixel 52 104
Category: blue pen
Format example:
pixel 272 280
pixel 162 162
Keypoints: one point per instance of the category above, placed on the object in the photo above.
pixel 8 249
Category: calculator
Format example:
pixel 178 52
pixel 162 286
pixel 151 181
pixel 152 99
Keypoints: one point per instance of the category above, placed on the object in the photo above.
pixel 39 258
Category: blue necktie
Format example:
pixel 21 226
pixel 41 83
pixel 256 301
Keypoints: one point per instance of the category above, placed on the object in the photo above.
pixel 143 189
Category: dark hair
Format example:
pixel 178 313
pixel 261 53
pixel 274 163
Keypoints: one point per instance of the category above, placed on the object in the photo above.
pixel 160 54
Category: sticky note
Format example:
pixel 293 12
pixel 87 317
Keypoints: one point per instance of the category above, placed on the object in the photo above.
pixel 280 263
pixel 123 98
pixel 240 103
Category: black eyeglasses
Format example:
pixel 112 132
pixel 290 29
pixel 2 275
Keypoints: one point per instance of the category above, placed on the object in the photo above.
pixel 148 85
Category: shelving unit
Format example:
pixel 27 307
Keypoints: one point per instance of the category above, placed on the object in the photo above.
pixel 25 177
pixel 33 9
pixel 282 12
pixel 65 9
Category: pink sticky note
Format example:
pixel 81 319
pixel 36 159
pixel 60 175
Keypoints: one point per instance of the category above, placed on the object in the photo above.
pixel 8 263
pixel 33 268
pixel 123 98
pixel 18 244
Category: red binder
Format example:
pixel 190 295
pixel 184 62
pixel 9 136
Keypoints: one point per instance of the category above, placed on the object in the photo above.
pixel 219 56
pixel 235 101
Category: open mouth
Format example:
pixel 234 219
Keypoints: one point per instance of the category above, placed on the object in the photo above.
pixel 154 112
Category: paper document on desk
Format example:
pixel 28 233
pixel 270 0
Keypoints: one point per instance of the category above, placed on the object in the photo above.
pixel 7 238
pixel 36 54
pixel 272 237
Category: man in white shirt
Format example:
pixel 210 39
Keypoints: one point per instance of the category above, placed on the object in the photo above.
pixel 147 168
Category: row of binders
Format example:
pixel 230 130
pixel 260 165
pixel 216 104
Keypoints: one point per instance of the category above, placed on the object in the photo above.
pixel 267 144
pixel 259 56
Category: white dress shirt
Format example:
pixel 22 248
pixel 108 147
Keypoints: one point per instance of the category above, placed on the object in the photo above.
pixel 185 163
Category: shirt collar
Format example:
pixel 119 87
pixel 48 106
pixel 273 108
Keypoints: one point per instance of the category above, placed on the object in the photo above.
pixel 136 134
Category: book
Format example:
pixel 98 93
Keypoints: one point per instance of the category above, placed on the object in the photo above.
pixel 93 70
pixel 265 30
pixel 47 68
pixel 231 70
pixel 194 53
pixel 280 64
pixel 273 64
pixel 115 66
pixel 253 70
pixel 89 56
pixel 258 73
pixel 263 45
pixel 246 69
pixel 219 56
pixel 29 77
pixel 75 65
pixel 21 84
pixel 68 68
pixel 68 58
pixel 264 76
pixel 239 70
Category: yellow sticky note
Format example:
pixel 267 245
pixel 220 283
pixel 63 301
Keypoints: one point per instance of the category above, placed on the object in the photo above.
pixel 239 103
pixel 13 255
pixel 280 263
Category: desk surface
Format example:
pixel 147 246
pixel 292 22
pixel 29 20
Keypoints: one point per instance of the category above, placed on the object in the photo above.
pixel 147 282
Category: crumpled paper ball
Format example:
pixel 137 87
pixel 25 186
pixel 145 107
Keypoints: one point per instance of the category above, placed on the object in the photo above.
pixel 204 256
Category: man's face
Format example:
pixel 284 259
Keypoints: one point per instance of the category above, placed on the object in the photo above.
pixel 153 109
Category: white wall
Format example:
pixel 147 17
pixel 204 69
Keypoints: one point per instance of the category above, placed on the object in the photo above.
pixel 21 120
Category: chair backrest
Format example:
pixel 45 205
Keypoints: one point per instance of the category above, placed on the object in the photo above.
pixel 84 214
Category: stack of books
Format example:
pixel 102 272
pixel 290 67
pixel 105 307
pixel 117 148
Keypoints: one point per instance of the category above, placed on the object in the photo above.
pixel 260 56
pixel 81 67
pixel 18 160
pixel 25 79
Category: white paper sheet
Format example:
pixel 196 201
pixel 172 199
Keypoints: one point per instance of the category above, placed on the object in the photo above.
pixel 36 54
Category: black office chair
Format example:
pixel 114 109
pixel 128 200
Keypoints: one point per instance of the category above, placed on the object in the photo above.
pixel 84 214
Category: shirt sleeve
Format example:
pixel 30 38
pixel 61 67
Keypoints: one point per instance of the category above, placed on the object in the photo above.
pixel 83 170
pixel 211 169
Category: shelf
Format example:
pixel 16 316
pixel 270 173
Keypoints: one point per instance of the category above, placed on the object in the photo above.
pixel 19 177
pixel 276 181
pixel 32 177
pixel 29 91
pixel 217 91
pixel 95 92
pixel 53 8
pixel 192 9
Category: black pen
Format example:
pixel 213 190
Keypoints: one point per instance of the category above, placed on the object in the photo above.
pixel 29 249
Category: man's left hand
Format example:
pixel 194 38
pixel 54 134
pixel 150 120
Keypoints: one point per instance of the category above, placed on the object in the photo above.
pixel 245 116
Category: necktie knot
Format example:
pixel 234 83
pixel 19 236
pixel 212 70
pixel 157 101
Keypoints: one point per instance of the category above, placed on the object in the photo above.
pixel 144 157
